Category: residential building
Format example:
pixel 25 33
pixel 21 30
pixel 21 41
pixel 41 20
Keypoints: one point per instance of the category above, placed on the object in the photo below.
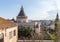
pixel 8 31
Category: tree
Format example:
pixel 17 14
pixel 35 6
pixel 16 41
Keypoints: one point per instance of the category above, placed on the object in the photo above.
pixel 25 33
pixel 56 35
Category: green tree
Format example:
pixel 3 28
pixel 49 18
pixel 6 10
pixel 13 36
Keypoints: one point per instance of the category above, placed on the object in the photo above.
pixel 25 33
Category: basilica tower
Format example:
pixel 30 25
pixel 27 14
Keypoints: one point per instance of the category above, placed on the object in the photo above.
pixel 22 18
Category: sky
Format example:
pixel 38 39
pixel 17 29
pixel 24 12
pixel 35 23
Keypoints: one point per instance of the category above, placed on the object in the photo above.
pixel 34 9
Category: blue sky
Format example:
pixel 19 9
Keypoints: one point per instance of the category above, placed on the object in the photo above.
pixel 34 9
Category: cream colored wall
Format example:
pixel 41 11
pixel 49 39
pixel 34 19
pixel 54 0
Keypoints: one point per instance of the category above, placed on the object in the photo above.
pixel 22 20
pixel 6 37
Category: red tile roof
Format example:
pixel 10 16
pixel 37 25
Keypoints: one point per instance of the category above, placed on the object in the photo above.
pixel 4 23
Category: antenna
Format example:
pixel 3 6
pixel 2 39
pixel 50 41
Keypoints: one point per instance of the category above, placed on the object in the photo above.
pixel 56 7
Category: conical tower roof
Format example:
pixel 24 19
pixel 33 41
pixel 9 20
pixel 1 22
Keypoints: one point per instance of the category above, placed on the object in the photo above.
pixel 57 17
pixel 21 13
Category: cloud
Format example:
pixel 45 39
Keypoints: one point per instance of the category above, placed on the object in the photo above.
pixel 53 13
pixel 40 16
pixel 58 4
pixel 40 9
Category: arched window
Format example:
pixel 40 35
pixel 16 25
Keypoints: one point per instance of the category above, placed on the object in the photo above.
pixel 14 32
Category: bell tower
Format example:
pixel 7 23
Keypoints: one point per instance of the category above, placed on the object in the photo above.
pixel 57 17
pixel 22 18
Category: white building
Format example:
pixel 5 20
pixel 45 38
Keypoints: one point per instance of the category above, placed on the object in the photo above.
pixel 22 20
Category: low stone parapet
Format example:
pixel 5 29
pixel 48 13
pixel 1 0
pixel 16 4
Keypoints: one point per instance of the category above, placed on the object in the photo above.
pixel 35 40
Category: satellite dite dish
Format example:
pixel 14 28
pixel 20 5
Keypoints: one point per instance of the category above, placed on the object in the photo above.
pixel 1 35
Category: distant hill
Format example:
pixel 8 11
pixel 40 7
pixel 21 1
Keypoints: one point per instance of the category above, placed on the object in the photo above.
pixel 43 22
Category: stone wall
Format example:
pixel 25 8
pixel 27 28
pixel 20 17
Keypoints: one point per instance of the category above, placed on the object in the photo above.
pixel 35 40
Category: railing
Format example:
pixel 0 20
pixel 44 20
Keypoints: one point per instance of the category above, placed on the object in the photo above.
pixel 35 40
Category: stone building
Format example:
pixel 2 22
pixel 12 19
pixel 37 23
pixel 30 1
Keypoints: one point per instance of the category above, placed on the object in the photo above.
pixel 22 20
pixel 8 31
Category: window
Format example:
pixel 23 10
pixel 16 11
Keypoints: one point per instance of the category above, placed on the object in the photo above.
pixel 5 32
pixel 24 21
pixel 37 26
pixel 14 32
pixel 10 35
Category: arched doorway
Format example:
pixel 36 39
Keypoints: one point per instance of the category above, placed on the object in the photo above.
pixel 1 37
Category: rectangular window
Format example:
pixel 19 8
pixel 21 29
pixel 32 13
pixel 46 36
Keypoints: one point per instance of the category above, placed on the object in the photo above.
pixel 10 35
pixel 14 32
